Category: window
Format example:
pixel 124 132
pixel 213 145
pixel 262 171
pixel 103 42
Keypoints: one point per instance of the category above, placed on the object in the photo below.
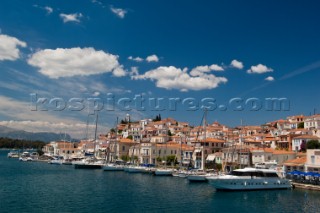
pixel 123 148
pixel 312 159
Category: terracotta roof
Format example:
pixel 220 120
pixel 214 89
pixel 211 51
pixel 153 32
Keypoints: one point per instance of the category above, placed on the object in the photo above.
pixel 176 145
pixel 296 162
pixel 126 140
pixel 282 152
pixel 270 150
pixel 214 140
pixel 307 137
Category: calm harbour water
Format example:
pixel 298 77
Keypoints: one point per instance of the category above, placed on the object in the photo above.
pixel 41 187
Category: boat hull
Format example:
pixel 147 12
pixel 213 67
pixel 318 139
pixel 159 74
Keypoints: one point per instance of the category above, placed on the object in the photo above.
pixel 163 172
pixel 249 184
pixel 87 166
pixel 197 178
pixel 112 168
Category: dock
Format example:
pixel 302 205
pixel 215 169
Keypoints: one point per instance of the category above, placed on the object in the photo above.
pixel 306 186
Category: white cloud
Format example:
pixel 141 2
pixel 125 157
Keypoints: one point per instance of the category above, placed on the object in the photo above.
pixel 119 71
pixel 95 94
pixel 236 64
pixel 118 11
pixel 199 70
pixel 216 67
pixel 259 69
pixel 21 117
pixel 134 71
pixel 176 78
pixel 96 2
pixel 48 9
pixel 9 47
pixel 269 78
pixel 75 17
pixel 152 58
pixel 75 62
pixel 137 59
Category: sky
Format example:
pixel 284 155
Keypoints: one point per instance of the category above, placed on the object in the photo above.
pixel 64 62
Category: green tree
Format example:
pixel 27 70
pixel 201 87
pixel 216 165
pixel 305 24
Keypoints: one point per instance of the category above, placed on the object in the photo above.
pixel 313 144
pixel 169 133
pixel 301 125
pixel 159 159
pixel 171 160
pixel 157 118
pixel 123 122
pixel 125 158
pixel 218 166
pixel 130 137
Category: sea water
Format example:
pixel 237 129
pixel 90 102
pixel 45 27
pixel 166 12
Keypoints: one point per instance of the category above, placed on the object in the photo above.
pixel 42 187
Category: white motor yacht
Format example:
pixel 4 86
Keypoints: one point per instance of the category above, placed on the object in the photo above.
pixel 249 179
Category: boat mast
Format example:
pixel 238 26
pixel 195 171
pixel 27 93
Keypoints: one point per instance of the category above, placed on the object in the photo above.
pixel 116 141
pixel 205 138
pixel 240 145
pixel 87 127
pixel 95 137
pixel 181 153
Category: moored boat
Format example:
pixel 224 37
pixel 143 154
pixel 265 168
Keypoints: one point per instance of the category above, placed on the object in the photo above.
pixel 249 179
pixel 113 167
pixel 163 172
pixel 13 154
pixel 88 165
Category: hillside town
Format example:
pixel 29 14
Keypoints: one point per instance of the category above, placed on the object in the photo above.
pixel 159 141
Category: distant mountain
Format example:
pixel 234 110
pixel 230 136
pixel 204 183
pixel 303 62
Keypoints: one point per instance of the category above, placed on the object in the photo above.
pixel 35 136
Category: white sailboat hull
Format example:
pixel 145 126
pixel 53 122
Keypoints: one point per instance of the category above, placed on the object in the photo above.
pixel 163 172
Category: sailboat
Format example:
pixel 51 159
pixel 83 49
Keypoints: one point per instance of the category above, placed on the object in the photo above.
pixel 164 171
pixel 117 165
pixel 90 163
pixel 201 175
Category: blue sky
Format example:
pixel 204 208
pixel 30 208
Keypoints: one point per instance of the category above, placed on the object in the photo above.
pixel 158 49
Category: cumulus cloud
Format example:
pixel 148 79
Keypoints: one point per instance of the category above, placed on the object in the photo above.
pixel 236 64
pixel 75 62
pixel 48 9
pixel 119 71
pixel 137 59
pixel 199 70
pixel 134 71
pixel 121 13
pixel 259 69
pixel 152 58
pixel 20 116
pixel 269 78
pixel 176 78
pixel 9 47
pixel 75 17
